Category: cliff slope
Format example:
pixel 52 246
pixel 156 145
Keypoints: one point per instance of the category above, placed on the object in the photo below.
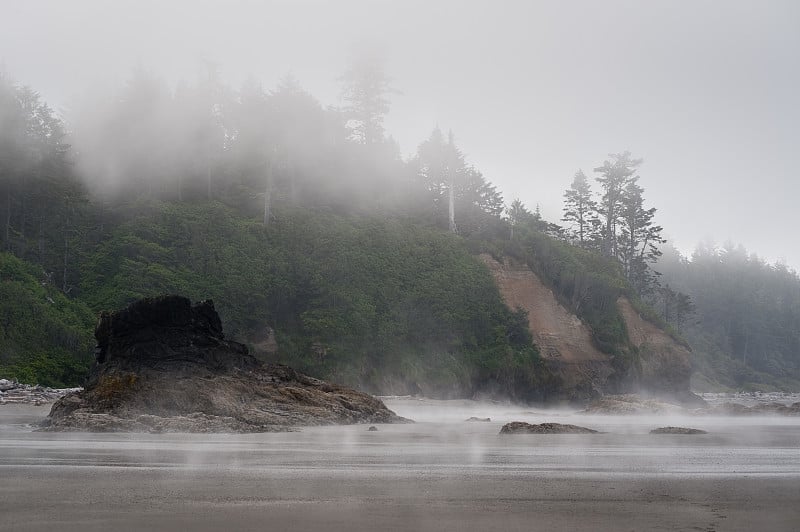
pixel 564 341
pixel 664 363
pixel 661 364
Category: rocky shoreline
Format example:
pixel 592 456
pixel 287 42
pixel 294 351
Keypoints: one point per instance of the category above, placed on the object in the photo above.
pixel 631 404
pixel 15 393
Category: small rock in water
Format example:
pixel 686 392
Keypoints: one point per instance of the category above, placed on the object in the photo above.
pixel 373 429
pixel 481 419
pixel 519 427
pixel 677 430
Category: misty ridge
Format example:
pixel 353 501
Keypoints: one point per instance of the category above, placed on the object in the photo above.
pixel 252 147
pixel 81 191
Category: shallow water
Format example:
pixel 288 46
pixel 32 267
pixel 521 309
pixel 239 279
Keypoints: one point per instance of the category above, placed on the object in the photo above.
pixel 441 473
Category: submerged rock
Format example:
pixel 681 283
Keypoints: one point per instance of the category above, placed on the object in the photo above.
pixel 479 419
pixel 677 430
pixel 373 429
pixel 164 365
pixel 520 427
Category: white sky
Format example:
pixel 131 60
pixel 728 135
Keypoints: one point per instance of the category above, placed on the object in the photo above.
pixel 706 92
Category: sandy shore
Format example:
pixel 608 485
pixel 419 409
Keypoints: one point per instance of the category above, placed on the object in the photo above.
pixel 449 475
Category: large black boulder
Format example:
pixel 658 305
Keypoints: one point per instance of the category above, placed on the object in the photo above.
pixel 163 364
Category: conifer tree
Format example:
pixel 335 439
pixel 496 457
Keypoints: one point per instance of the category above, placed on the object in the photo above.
pixel 517 214
pixel 581 210
pixel 638 238
pixel 365 93
pixel 614 175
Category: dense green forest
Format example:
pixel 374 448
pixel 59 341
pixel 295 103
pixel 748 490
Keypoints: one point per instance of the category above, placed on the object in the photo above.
pixel 324 249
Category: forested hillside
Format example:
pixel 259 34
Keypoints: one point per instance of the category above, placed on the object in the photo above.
pixel 324 249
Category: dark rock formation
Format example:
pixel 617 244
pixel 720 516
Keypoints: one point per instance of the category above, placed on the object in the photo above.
pixel 481 419
pixel 677 430
pixel 520 427
pixel 163 364
pixel 373 429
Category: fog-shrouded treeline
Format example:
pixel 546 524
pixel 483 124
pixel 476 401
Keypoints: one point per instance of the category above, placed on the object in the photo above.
pixel 254 148
pixel 743 318
pixel 324 248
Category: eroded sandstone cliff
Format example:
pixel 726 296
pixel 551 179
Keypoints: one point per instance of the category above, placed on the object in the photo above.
pixel 664 364
pixel 564 341
pixel 661 364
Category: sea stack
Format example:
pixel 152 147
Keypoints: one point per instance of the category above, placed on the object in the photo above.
pixel 164 365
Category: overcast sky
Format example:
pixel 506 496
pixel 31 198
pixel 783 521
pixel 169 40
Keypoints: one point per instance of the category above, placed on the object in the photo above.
pixel 706 92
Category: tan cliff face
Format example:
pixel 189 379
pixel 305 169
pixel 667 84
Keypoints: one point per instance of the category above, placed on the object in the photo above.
pixel 565 342
pixel 665 364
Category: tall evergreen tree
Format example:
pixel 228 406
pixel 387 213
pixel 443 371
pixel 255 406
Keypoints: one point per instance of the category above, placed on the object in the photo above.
pixel 439 163
pixel 301 129
pixel 365 93
pixel 458 192
pixel 638 238
pixel 580 210
pixel 614 175
pixel 517 215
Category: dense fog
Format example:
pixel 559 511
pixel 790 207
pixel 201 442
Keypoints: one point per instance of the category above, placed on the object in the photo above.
pixel 532 90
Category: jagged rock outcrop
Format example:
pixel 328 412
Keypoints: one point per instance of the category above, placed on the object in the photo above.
pixel 520 427
pixel 163 364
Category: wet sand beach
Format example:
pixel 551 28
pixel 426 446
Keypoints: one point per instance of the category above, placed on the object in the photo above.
pixel 441 473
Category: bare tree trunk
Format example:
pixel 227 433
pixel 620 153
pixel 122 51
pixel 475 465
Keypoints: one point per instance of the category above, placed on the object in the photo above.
pixel 208 179
pixel 292 179
pixel 268 193
pixel 8 219
pixel 22 212
pixel 41 240
pixel 746 342
pixel 66 252
pixel 451 205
